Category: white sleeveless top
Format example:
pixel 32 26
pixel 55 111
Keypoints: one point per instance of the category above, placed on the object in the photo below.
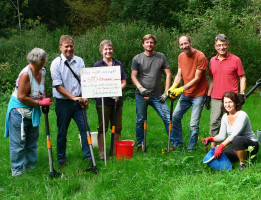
pixel 37 90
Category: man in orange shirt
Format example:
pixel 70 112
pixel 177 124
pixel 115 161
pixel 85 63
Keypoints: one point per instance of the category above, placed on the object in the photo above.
pixel 192 65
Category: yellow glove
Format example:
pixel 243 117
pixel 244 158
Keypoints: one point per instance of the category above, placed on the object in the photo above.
pixel 178 91
pixel 171 89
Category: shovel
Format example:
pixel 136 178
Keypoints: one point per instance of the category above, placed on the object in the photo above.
pixel 253 89
pixel 170 123
pixel 53 173
pixel 146 98
pixel 113 128
pixel 94 168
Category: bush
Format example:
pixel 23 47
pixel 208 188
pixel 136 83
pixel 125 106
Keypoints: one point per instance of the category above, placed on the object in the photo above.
pixel 244 42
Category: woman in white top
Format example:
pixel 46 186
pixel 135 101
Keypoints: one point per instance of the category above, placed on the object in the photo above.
pixel 23 114
pixel 236 124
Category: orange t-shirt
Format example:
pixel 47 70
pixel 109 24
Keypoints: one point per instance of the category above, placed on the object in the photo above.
pixel 188 66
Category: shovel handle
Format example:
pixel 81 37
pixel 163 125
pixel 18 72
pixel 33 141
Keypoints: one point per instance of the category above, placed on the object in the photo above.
pixel 45 109
pixel 253 89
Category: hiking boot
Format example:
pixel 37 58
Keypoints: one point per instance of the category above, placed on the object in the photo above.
pixel 62 164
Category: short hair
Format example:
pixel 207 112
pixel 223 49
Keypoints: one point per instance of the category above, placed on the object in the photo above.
pixel 65 38
pixel 184 36
pixel 36 56
pixel 148 36
pixel 234 97
pixel 222 38
pixel 104 43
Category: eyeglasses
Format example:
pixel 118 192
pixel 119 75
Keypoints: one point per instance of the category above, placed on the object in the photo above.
pixel 220 45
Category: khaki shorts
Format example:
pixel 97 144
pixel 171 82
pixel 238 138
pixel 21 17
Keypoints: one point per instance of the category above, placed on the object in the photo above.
pixel 108 117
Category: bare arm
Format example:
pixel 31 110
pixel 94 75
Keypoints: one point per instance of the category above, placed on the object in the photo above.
pixel 168 79
pixel 123 83
pixel 210 86
pixel 178 77
pixel 195 80
pixel 242 80
pixel 134 79
pixel 67 94
pixel 24 90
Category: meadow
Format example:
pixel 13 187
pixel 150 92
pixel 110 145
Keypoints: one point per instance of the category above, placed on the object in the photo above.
pixel 157 174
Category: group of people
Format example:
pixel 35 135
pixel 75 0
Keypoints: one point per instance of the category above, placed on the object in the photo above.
pixel 23 115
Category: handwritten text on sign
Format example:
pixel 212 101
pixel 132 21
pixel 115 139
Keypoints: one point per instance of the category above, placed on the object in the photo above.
pixel 101 82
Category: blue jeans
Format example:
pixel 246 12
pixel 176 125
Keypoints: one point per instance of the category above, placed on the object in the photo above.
pixel 23 153
pixel 65 111
pixel 141 107
pixel 182 106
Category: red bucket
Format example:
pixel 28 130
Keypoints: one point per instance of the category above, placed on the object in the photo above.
pixel 124 149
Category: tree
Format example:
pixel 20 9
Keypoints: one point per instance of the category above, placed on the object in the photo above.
pixel 87 14
pixel 17 6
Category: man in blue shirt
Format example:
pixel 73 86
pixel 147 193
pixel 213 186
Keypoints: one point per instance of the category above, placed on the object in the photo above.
pixel 67 91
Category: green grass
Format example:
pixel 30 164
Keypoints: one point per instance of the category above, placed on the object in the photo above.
pixel 155 175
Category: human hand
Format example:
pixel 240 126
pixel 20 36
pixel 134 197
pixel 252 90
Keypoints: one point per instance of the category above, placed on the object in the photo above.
pixel 218 151
pixel 45 102
pixel 207 102
pixel 163 97
pixel 241 99
pixel 115 98
pixel 82 101
pixel 178 91
pixel 170 90
pixel 206 140
pixel 143 91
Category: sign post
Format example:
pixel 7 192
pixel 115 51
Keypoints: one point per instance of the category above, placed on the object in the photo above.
pixel 99 82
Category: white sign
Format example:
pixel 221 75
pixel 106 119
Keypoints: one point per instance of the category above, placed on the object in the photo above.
pixel 101 82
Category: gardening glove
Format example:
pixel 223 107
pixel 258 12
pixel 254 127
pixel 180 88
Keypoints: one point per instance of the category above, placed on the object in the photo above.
pixel 218 151
pixel 178 91
pixel 207 102
pixel 241 99
pixel 163 97
pixel 206 140
pixel 45 102
pixel 115 98
pixel 143 91
pixel 170 90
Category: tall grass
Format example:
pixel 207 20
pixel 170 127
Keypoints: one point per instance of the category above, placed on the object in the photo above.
pixel 155 175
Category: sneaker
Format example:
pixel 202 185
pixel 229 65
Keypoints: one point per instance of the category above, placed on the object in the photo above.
pixel 102 157
pixel 62 164
pixel 242 166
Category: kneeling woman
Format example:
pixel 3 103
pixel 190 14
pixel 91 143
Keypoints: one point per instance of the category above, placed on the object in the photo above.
pixel 236 124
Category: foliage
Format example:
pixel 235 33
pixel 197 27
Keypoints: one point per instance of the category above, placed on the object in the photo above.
pixel 127 43
pixel 13 53
pixel 153 12
pixel 250 157
pixel 87 14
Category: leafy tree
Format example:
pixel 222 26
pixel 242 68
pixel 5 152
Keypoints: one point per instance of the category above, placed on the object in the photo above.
pixel 87 14
pixel 153 12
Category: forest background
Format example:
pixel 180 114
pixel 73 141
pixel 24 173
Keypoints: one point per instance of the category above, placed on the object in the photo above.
pixel 26 24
